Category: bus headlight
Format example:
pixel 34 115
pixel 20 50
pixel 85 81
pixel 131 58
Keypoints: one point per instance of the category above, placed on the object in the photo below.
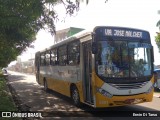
pixel 104 92
pixel 150 89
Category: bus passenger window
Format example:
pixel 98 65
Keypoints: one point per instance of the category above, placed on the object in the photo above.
pixel 54 57
pixel 78 58
pixel 42 61
pixel 47 57
pixel 62 55
pixel 73 53
pixel 56 62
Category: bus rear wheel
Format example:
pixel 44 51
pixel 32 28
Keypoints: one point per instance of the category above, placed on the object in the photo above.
pixel 45 86
pixel 75 97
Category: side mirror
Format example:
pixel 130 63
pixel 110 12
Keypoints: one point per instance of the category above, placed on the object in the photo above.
pixel 155 76
pixel 152 54
pixel 94 48
pixel 152 58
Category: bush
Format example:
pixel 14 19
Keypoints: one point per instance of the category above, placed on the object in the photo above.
pixel 6 101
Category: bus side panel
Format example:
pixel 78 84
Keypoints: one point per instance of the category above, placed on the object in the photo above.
pixel 60 86
pixel 59 78
pixel 63 87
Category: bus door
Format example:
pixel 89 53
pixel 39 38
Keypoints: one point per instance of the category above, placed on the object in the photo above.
pixel 37 66
pixel 87 58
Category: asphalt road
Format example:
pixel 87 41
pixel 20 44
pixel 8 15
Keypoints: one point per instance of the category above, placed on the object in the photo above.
pixel 31 97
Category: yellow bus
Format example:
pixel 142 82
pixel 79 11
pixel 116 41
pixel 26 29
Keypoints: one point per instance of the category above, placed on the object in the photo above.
pixel 107 67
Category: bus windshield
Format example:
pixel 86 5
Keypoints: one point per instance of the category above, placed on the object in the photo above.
pixel 123 59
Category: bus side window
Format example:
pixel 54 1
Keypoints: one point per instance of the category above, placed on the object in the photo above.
pixel 47 58
pixel 42 59
pixel 78 58
pixel 74 53
pixel 62 55
pixel 53 57
pixel 56 62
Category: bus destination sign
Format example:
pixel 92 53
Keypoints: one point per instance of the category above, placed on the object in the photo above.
pixel 123 33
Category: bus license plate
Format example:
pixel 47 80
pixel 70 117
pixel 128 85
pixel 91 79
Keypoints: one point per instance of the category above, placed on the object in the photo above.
pixel 129 101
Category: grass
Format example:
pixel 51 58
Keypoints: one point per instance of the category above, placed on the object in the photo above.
pixel 6 101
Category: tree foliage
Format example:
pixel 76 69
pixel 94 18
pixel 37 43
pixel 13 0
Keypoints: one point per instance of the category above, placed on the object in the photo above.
pixel 20 20
pixel 157 38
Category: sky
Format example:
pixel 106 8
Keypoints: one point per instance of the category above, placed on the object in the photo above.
pixel 141 14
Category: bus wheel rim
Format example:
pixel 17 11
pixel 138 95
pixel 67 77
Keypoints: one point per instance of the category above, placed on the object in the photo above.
pixel 45 85
pixel 75 96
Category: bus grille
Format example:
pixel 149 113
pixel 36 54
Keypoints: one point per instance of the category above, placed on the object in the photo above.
pixel 128 86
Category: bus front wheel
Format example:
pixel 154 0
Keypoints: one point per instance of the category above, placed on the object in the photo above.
pixel 75 96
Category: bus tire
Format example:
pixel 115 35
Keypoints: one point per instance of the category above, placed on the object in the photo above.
pixel 75 96
pixel 45 85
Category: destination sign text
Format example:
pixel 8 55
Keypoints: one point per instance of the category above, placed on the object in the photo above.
pixel 123 33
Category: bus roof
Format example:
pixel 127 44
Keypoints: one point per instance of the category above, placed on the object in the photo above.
pixel 79 35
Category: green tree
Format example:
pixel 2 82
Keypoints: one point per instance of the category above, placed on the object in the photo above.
pixel 158 23
pixel 20 20
pixel 157 38
pixel 7 53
